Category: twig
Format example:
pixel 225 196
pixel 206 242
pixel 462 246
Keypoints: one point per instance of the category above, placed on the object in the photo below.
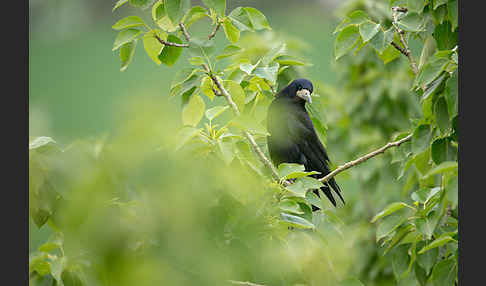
pixel 244 283
pixel 247 134
pixel 171 43
pixel 400 49
pixel 364 158
pixel 213 33
pixel 405 50
pixel 184 32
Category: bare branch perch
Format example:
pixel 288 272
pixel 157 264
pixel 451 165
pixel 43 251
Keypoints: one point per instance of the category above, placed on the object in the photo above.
pixel 364 158
pixel 247 134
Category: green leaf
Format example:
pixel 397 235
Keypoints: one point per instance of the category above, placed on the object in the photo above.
pixel 286 169
pixel 119 4
pixel 433 87
pixel 240 19
pixel 207 86
pixel 257 19
pixel 452 191
pixel 231 32
pixel 38 262
pixel 355 18
pixel 421 138
pixel 382 40
pixel 412 22
pixel 201 47
pixel 269 72
pixel 398 236
pixel 416 5
pixel 193 111
pixel 302 185
pixel 428 50
pixel 152 46
pixel 196 13
pixel 444 36
pixel 441 150
pixel 442 168
pixel 237 93
pixel 296 221
pixel 171 54
pixel 452 93
pixel 185 135
pixel 290 206
pixel 452 13
pixel 345 41
pixel 215 112
pixel 428 259
pixel 400 261
pixel 55 241
pixel 160 16
pixel 389 223
pixel 175 9
pixel 437 243
pixel 124 37
pixel 389 54
pixel 127 52
pixel 389 209
pixel 57 267
pixel 442 115
pixel 229 51
pixel 217 5
pixel 437 3
pixel 128 22
pixel 444 273
pixel 368 30
pixel 290 61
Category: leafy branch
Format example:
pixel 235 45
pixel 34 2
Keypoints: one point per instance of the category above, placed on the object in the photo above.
pixel 405 50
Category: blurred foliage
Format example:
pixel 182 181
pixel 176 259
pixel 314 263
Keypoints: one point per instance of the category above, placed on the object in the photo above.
pixel 175 195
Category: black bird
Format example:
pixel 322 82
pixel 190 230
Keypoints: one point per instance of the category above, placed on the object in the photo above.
pixel 293 138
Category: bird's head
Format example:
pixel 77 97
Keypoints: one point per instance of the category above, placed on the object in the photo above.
pixel 301 88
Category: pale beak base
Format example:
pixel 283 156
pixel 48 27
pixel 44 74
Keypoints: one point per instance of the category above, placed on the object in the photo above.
pixel 305 95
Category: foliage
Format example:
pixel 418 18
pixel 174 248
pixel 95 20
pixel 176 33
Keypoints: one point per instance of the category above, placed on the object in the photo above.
pixel 156 203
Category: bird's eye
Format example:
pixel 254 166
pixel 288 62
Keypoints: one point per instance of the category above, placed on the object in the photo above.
pixel 299 87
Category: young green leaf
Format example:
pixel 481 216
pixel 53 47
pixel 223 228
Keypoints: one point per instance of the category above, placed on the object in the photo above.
pixel 452 13
pixel 345 41
pixel 140 3
pixel 215 112
pixel 193 111
pixel 152 46
pixel 368 30
pixel 442 168
pixel 119 4
pixel 237 93
pixel 421 138
pixel 412 22
pixel 290 206
pixel 217 5
pixel 257 19
pixel 416 6
pixel 185 135
pixel 196 13
pixel 442 115
pixel 126 53
pixel 175 9
pixel 437 243
pixel 124 37
pixel 391 208
pixel 231 32
pixel 128 22
pixel 296 221
pixel 171 54
pixel 269 72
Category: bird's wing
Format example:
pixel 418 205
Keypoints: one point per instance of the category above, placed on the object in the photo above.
pixel 304 135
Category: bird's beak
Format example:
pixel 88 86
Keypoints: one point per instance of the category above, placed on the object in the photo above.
pixel 305 95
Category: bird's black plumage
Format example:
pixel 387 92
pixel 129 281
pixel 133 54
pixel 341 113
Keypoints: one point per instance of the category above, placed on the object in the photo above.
pixel 293 138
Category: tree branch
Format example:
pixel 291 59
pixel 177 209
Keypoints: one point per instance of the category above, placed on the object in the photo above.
pixel 364 158
pixel 171 43
pixel 405 50
pixel 213 33
pixel 247 134
pixel 184 32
